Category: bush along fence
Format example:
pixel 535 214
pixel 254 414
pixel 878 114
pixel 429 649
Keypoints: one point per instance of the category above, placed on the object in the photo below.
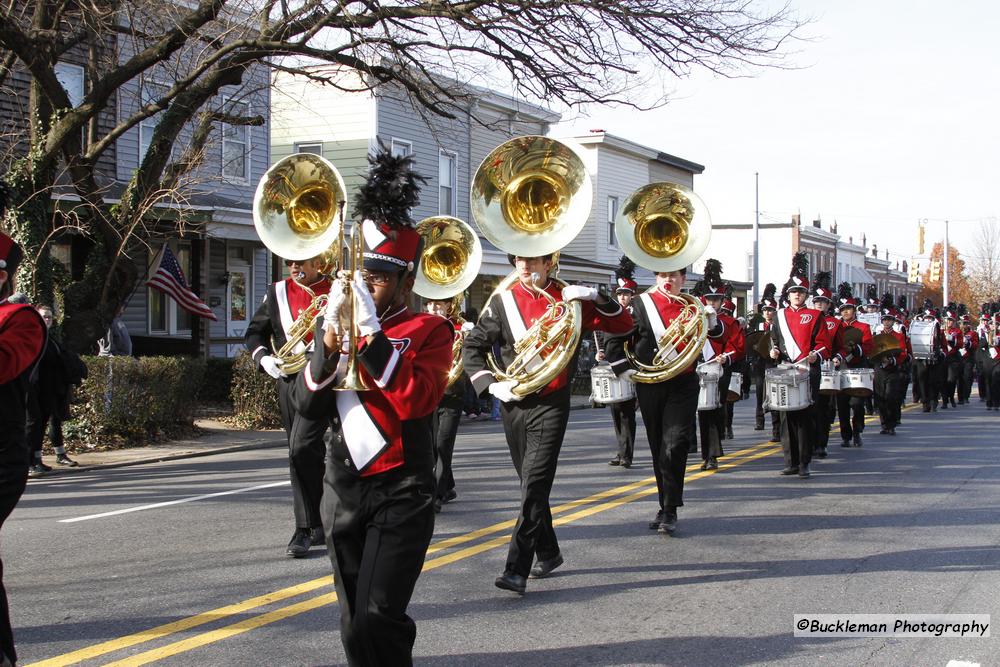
pixel 254 395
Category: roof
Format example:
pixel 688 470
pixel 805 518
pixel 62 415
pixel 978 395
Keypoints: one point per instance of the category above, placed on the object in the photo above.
pixel 614 141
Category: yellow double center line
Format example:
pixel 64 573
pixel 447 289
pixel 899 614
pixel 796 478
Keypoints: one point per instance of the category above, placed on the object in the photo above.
pixel 562 514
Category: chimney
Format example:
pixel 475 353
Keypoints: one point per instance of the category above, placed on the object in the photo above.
pixel 864 240
pixel 875 250
pixel 850 239
pixel 817 223
pixel 796 220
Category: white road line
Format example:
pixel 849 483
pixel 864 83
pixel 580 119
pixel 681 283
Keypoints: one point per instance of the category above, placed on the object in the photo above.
pixel 173 502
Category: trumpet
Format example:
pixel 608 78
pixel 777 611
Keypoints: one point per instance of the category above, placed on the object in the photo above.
pixel 665 227
pixel 298 212
pixel 531 196
pixel 450 261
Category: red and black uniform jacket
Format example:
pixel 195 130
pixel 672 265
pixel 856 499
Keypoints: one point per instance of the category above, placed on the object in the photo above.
pixel 856 356
pixel 406 365
pixel 952 342
pixel 968 345
pixel 652 313
pixel 726 341
pixel 284 302
pixel 799 331
pixel 456 392
pixel 510 313
pixel 991 353
pixel 22 340
pixel 832 335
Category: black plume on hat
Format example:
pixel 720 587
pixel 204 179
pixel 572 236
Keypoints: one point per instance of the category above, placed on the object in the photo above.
pixel 887 301
pixel 729 290
pixel 962 309
pixel 800 265
pixel 928 304
pixel 844 291
pixel 713 272
pixel 626 268
pixel 823 280
pixel 770 291
pixel 390 190
pixel 872 294
pixel 901 302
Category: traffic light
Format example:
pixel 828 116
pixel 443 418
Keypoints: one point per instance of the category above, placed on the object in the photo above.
pixel 914 274
pixel 920 239
pixel 936 271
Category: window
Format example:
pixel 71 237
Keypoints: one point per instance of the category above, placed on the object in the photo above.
pixel 165 317
pixel 236 144
pixel 73 79
pixel 400 148
pixel 149 92
pixel 612 215
pixel 316 148
pixel 750 266
pixel 447 175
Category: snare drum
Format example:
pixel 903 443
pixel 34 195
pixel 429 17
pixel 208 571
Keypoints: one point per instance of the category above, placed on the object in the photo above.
pixel 787 388
pixel 859 382
pixel 606 387
pixel 735 390
pixel 830 382
pixel 708 386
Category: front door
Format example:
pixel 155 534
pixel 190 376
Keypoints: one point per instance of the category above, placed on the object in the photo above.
pixel 238 306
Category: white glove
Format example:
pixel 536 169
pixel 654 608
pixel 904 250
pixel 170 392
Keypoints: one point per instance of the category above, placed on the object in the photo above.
pixel 365 314
pixel 504 391
pixel 713 317
pixel 334 305
pixel 468 326
pixel 579 292
pixel 271 367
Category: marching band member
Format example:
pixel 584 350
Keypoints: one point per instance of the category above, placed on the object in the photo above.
pixel 967 358
pixel 872 306
pixel 668 408
pixel 379 486
pixel 982 330
pixel 283 304
pixel 623 412
pixel 724 346
pixel 534 424
pixel 756 364
pixel 445 420
pixel 798 337
pixel 825 406
pixel 729 310
pixel 950 366
pixel 990 344
pixel 22 342
pixel 906 370
pixel 851 409
pixel 888 380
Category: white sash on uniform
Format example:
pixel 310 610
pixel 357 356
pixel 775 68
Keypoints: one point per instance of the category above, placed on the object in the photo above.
pixel 655 322
pixel 792 349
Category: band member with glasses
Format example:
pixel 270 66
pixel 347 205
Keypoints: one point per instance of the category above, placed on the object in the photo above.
pixel 534 424
pixel 283 304
pixel 797 337
pixel 668 408
pixel 379 487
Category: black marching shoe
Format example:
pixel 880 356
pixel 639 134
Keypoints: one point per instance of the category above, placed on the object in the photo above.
pixel 759 426
pixel 729 433
pixel 821 452
pixel 449 496
pixel 884 431
pixel 655 523
pixel 790 470
pixel 544 568
pixel 64 460
pixel 35 470
pixel 845 443
pixel 669 523
pixel 775 437
pixel 617 461
pixel 857 440
pixel 317 537
pixel 509 581
pixel 299 545
pixel 712 463
pixel 804 471
pixel 892 430
pixel 626 463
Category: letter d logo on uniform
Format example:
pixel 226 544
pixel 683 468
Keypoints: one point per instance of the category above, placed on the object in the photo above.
pixel 805 318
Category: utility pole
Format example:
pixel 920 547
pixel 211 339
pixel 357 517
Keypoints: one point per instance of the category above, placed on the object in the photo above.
pixel 756 242
pixel 945 296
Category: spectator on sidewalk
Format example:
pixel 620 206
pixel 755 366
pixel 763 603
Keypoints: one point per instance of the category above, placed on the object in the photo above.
pixel 22 340
pixel 48 398
pixel 116 342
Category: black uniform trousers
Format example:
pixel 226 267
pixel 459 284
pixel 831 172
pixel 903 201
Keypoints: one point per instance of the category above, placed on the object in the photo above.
pixel 965 377
pixel 711 423
pixel 761 389
pixel 914 380
pixel 851 411
pixel 925 383
pixel 950 371
pixel 824 410
pixel 991 369
pixel 798 428
pixel 623 415
pixel 888 385
pixel 13 479
pixel 534 427
pixel 983 368
pixel 306 452
pixel 444 428
pixel 668 410
pixel 377 532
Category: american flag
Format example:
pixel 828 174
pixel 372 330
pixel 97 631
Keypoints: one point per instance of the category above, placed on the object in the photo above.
pixel 169 279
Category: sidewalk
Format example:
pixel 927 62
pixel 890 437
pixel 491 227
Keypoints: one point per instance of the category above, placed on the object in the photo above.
pixel 216 438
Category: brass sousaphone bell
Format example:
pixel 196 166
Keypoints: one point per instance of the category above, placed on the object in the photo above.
pixel 665 227
pixel 530 197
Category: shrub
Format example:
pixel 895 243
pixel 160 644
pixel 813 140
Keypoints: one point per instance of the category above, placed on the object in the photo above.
pixel 254 395
pixel 126 401
pixel 216 387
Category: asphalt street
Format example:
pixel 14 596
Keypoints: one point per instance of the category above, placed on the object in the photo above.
pixel 182 563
